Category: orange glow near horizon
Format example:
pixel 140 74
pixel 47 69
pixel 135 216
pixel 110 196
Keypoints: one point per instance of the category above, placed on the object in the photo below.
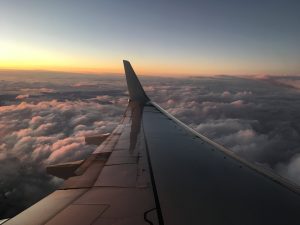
pixel 20 56
pixel 17 56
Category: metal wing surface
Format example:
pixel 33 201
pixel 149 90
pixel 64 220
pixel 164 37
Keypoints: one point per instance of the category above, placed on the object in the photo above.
pixel 153 169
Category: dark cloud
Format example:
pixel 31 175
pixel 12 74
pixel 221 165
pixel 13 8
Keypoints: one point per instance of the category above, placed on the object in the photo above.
pixel 44 121
pixel 287 81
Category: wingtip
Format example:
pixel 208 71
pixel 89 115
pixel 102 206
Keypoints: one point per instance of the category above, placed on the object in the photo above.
pixel 136 91
pixel 125 61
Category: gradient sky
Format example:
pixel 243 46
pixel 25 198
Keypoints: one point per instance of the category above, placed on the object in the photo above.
pixel 159 37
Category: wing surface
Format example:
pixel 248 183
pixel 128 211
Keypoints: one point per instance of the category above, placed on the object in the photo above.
pixel 153 169
pixel 201 182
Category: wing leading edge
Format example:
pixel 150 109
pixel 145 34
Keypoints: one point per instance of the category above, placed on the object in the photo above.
pixel 154 169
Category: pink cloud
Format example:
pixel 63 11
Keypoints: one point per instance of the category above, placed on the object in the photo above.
pixel 22 96
pixel 237 103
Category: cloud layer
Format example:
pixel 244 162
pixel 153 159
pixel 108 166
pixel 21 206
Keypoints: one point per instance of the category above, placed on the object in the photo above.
pixel 45 129
pixel 44 120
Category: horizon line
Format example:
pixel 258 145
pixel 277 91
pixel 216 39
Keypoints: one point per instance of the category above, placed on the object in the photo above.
pixel 84 72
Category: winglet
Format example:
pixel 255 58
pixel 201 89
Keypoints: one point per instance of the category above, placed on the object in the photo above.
pixel 135 89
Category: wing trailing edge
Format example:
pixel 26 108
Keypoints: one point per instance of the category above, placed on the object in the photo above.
pixel 135 89
pixel 96 139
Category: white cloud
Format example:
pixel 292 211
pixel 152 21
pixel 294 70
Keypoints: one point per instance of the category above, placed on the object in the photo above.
pixel 35 135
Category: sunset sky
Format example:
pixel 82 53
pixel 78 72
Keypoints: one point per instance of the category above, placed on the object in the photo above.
pixel 159 37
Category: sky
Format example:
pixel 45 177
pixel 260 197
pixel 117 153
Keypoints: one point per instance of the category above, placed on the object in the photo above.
pixel 204 37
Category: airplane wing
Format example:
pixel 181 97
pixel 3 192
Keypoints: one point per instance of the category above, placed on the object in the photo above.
pixel 154 169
